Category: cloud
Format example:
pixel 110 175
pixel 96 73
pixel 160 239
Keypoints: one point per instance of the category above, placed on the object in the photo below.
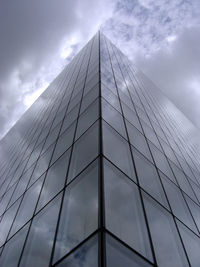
pixel 175 69
pixel 36 38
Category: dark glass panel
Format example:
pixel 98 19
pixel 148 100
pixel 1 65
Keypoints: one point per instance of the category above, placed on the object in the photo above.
pixel 113 117
pixel 148 178
pixel 161 162
pixel 27 206
pixel 117 150
pixel 85 256
pixel 7 221
pixel 138 140
pixel 22 184
pixel 191 243
pixel 40 239
pixel 178 203
pixel 13 248
pixel 124 215
pixel 87 118
pixel 55 180
pixel 64 142
pixel 167 244
pixel 41 165
pixel 84 151
pixel 118 255
pixel 79 213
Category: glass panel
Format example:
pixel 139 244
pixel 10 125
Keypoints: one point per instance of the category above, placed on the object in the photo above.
pixel 64 142
pixel 182 180
pixel 55 180
pixel 90 97
pixel 195 210
pixel 110 97
pixel 79 215
pixel 191 243
pixel 13 248
pixel 84 151
pixel 124 215
pixel 117 150
pixel 149 178
pixel 113 117
pixel 85 256
pixel 27 206
pixel 138 140
pixel 167 245
pixel 161 162
pixel 6 198
pixel 7 221
pixel 42 165
pixel 150 134
pixel 21 186
pixel 40 240
pixel 69 119
pixel 131 116
pixel 178 203
pixel 87 118
pixel 118 255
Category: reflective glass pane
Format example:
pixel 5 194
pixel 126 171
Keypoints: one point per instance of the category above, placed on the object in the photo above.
pixel 64 142
pixel 110 97
pixel 182 180
pixel 41 165
pixel 117 150
pixel 118 255
pixel 162 162
pixel 86 255
pixel 27 206
pixel 79 213
pixel 191 243
pixel 113 117
pixel 5 199
pixel 137 140
pixel 13 248
pixel 148 178
pixel 22 184
pixel 87 118
pixel 178 203
pixel 195 210
pixel 54 180
pixel 84 151
pixel 131 116
pixel 7 221
pixel 90 97
pixel 40 239
pixel 124 215
pixel 167 244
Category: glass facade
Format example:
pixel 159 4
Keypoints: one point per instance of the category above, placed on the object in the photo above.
pixel 100 171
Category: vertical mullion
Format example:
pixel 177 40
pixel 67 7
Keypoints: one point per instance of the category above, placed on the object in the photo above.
pixel 102 245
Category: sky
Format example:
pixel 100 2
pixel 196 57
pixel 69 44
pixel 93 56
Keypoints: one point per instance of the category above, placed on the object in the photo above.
pixel 38 38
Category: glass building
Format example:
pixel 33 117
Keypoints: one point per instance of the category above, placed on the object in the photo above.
pixel 100 171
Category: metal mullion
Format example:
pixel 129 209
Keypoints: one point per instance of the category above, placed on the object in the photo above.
pixel 102 245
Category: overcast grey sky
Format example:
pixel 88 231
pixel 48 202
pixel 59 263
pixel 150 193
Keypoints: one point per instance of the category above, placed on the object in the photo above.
pixel 38 38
